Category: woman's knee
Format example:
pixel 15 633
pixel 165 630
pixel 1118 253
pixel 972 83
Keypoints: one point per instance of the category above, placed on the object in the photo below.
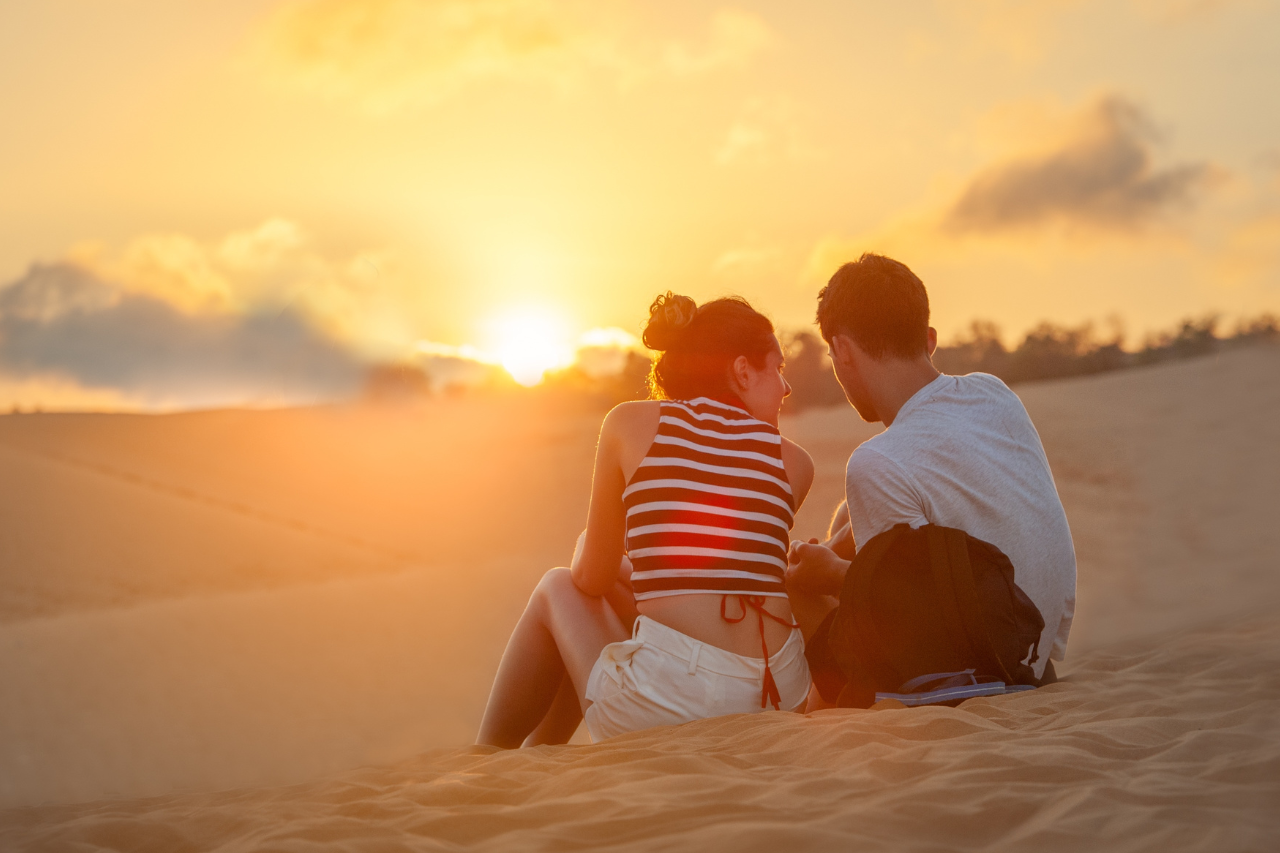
pixel 553 586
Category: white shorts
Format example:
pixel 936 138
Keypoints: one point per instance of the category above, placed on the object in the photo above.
pixel 661 677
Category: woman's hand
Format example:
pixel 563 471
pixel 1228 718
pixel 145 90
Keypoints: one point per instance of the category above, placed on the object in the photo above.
pixel 624 572
pixel 622 597
pixel 842 542
pixel 815 569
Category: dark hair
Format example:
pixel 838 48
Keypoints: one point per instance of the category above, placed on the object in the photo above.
pixel 698 344
pixel 879 303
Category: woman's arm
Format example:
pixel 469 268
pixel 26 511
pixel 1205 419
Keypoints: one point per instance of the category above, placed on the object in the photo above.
pixel 597 561
pixel 620 597
pixel 799 467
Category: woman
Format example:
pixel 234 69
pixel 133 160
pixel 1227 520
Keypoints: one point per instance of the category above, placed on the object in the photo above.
pixel 692 500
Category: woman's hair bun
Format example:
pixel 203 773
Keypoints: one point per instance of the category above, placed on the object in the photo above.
pixel 669 317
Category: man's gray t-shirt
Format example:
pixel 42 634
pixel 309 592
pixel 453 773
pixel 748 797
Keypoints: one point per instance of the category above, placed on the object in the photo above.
pixel 962 453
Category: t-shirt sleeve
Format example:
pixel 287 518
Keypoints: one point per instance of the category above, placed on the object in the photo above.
pixel 880 495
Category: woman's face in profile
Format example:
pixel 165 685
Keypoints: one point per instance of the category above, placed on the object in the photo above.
pixel 762 390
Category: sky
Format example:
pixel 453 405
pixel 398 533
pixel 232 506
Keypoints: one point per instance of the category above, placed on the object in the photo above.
pixel 248 201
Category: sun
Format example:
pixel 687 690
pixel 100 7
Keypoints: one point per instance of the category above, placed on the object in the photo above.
pixel 529 341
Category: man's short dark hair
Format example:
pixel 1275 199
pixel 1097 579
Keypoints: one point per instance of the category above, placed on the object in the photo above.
pixel 879 303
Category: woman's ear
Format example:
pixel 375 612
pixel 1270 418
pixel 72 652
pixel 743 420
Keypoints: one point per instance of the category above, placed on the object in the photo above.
pixel 740 373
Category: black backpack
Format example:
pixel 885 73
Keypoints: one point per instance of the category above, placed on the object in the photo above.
pixel 926 600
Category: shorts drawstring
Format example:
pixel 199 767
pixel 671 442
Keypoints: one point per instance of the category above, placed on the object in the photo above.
pixel 769 690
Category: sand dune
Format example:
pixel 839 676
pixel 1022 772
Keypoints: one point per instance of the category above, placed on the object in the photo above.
pixel 1169 746
pixel 234 600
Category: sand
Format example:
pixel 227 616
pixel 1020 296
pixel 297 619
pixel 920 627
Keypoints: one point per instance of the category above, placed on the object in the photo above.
pixel 276 630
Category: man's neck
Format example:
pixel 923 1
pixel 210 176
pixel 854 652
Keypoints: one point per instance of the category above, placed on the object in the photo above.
pixel 899 381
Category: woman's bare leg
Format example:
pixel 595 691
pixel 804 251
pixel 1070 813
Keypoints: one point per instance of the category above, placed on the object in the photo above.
pixel 561 721
pixel 560 633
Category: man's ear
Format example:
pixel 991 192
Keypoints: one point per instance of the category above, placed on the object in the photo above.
pixel 932 340
pixel 740 373
pixel 841 349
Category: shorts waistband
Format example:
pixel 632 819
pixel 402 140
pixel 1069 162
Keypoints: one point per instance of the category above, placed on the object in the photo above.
pixel 709 657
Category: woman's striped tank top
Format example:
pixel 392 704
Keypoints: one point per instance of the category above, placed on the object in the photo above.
pixel 709 508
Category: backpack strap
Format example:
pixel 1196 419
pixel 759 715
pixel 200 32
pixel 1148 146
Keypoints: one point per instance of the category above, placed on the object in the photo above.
pixel 966 599
pixel 943 572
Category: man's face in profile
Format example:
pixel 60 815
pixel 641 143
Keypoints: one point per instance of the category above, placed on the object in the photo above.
pixel 847 361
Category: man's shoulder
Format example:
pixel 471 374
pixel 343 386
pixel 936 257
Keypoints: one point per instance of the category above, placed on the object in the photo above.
pixel 960 411
pixel 984 384
pixel 876 458
pixel 973 396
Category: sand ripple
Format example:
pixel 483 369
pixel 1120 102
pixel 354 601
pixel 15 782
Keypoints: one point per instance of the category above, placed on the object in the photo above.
pixel 1172 746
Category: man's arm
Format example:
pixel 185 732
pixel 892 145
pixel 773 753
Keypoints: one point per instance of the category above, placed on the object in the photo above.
pixel 879 495
pixel 840 533
pixel 814 577
pixel 815 569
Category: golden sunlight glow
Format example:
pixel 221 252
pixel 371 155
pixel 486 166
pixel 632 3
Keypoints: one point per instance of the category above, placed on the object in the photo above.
pixel 528 342
pixel 466 185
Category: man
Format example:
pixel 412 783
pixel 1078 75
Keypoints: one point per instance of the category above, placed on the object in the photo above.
pixel 957 451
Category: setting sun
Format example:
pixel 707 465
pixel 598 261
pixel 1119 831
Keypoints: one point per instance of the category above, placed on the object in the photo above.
pixel 528 342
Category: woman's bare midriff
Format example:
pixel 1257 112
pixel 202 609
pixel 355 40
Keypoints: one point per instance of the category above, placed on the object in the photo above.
pixel 698 616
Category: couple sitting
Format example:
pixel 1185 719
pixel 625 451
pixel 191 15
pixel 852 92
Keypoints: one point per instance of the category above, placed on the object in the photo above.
pixel 684 599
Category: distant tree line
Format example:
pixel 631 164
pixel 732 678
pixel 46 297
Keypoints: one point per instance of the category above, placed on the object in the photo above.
pixel 607 390
pixel 398 383
pixel 1048 351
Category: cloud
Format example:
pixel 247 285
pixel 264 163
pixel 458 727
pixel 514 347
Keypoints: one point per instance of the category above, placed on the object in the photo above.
pixel 1021 33
pixel 1181 12
pixel 736 39
pixel 1089 169
pixel 748 262
pixel 258 316
pixel 765 131
pixel 1251 253
pixel 1267 165
pixel 387 55
pixel 265 269
pixel 168 320
pixel 60 320
pixel 1101 174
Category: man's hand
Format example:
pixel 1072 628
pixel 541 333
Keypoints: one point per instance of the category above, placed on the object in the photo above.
pixel 815 569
